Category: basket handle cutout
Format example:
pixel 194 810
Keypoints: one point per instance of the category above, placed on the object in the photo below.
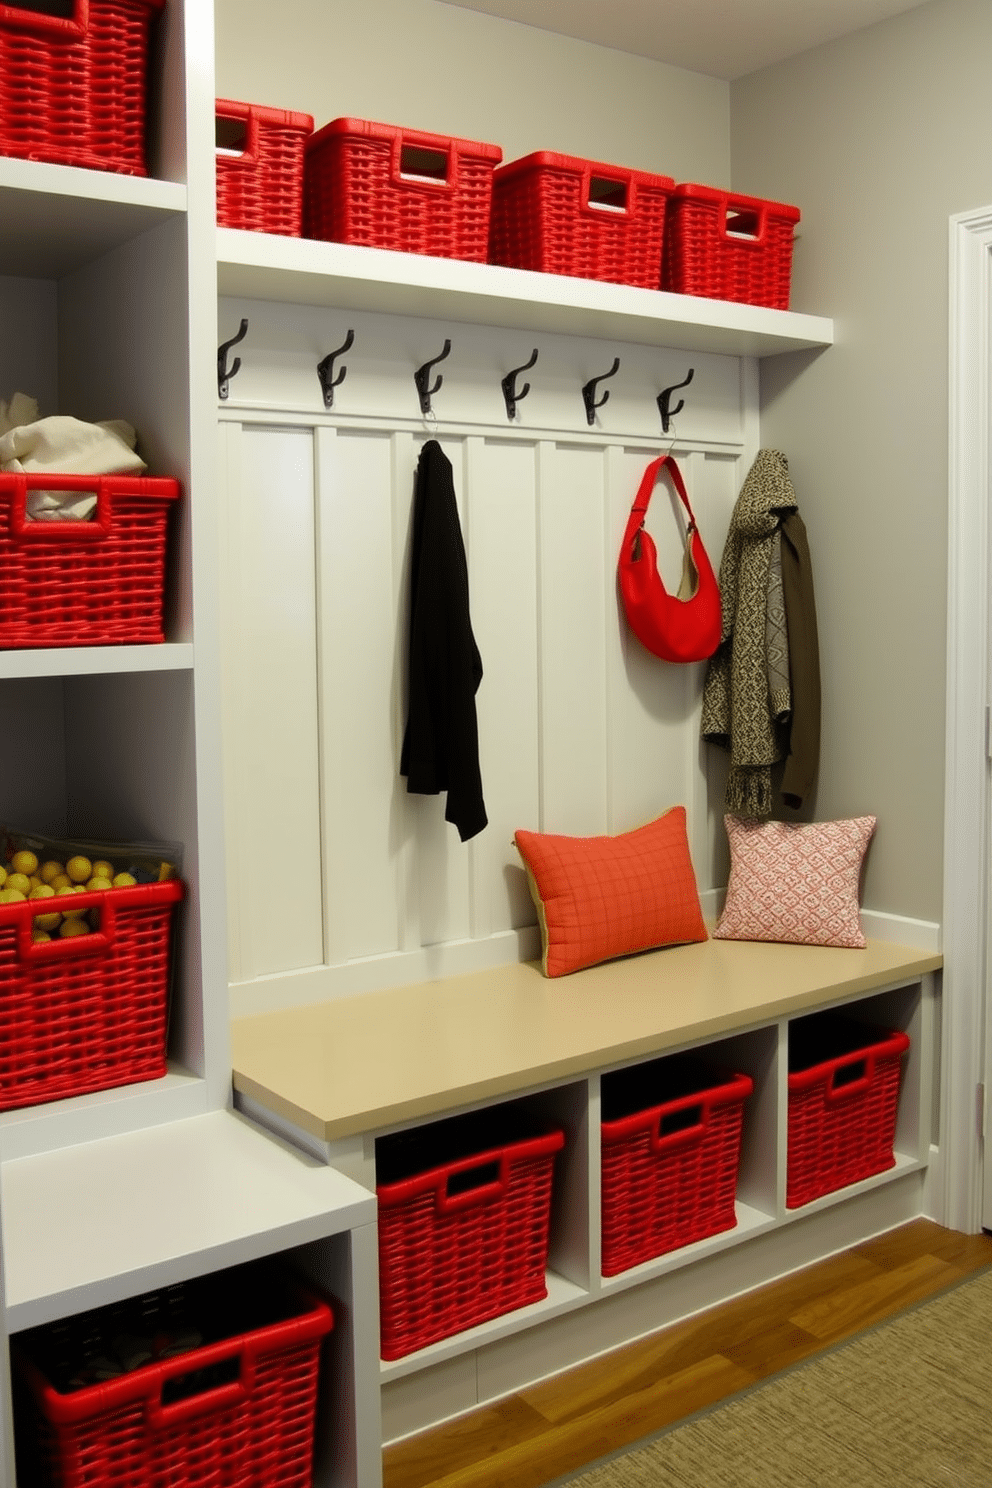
pixel 470 1184
pixel 226 1373
pixel 230 135
pixel 745 224
pixel 680 1127
pixel 418 163
pixel 605 195
pixel 851 1079
pixel 61 16
pixel 93 528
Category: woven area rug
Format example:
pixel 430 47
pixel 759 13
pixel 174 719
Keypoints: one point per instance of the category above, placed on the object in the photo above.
pixel 906 1405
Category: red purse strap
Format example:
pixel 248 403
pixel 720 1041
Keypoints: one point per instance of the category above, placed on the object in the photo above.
pixel 646 490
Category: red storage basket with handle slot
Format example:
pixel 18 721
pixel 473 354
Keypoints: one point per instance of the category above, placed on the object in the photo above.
pixel 237 1409
pixel 260 167
pixel 843 1099
pixel 98 582
pixel 380 186
pixel 729 247
pixel 465 1238
pixel 89 1012
pixel 671 1141
pixel 73 89
pixel 558 214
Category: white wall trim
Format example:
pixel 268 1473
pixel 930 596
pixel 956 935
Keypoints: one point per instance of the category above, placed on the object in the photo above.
pixel 966 798
pixel 311 984
pixel 893 929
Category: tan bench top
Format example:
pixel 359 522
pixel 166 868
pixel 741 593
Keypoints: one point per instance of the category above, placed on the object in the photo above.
pixel 363 1063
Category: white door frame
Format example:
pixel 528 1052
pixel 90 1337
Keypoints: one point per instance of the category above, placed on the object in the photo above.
pixel 966 800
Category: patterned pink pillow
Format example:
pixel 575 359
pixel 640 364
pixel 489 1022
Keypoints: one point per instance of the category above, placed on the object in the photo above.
pixel 795 881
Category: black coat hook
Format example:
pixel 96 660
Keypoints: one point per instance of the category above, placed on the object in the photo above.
pixel 422 377
pixel 511 393
pixel 326 367
pixel 589 392
pixel 224 372
pixel 664 398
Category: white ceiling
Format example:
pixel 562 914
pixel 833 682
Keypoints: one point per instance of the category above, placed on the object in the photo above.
pixel 724 38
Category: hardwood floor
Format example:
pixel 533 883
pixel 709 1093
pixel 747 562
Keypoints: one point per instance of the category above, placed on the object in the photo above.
pixel 560 1425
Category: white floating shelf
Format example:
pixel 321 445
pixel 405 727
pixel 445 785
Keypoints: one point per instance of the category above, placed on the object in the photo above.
pixel 57 218
pixel 263 266
pixel 86 661
pixel 106 1220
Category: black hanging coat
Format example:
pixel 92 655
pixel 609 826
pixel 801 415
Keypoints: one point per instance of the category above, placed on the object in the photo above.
pixel 441 743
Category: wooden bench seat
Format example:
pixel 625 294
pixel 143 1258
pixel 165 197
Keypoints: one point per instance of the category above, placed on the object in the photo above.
pixel 363 1064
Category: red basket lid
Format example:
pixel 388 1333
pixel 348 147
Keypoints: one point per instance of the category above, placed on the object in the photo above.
pixel 388 133
pixel 548 159
pixel 733 200
pixel 228 108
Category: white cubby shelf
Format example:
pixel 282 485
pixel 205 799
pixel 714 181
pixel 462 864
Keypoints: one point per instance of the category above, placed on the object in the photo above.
pixel 57 218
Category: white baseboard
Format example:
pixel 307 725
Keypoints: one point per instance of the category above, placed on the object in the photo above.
pixel 934 1195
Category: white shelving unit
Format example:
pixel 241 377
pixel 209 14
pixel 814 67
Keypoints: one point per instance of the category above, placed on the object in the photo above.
pixel 108 303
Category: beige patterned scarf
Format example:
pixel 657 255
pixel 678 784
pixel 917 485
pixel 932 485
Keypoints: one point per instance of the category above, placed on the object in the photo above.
pixel 746 693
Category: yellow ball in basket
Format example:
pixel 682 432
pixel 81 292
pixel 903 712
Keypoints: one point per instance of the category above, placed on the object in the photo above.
pixel 24 862
pixel 98 882
pixel 19 881
pixel 65 892
pixel 11 896
pixel 39 935
pixel 3 876
pixel 50 870
pixel 73 926
pixel 124 880
pixel 44 921
pixel 103 869
pixel 79 869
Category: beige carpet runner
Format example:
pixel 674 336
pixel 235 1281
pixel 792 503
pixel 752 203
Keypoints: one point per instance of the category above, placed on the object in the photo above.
pixel 907 1405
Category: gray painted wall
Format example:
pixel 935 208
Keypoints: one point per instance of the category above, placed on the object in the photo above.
pixel 878 138
pixel 429 66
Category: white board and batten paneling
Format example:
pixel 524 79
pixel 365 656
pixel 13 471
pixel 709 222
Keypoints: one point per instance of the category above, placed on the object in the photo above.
pixel 339 880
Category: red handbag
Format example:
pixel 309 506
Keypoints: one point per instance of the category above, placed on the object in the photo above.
pixel 676 627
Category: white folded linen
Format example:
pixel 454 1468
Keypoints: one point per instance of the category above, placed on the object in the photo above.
pixel 66 445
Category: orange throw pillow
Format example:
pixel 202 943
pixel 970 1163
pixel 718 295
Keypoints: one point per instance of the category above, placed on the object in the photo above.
pixel 602 897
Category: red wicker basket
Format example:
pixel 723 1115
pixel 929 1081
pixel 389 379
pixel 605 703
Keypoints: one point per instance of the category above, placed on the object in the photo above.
pixel 89 1012
pixel 260 167
pixel 727 247
pixel 462 1238
pixel 671 1139
pixel 560 215
pixel 843 1098
pixel 385 187
pixel 84 583
pixel 73 89
pixel 238 1409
